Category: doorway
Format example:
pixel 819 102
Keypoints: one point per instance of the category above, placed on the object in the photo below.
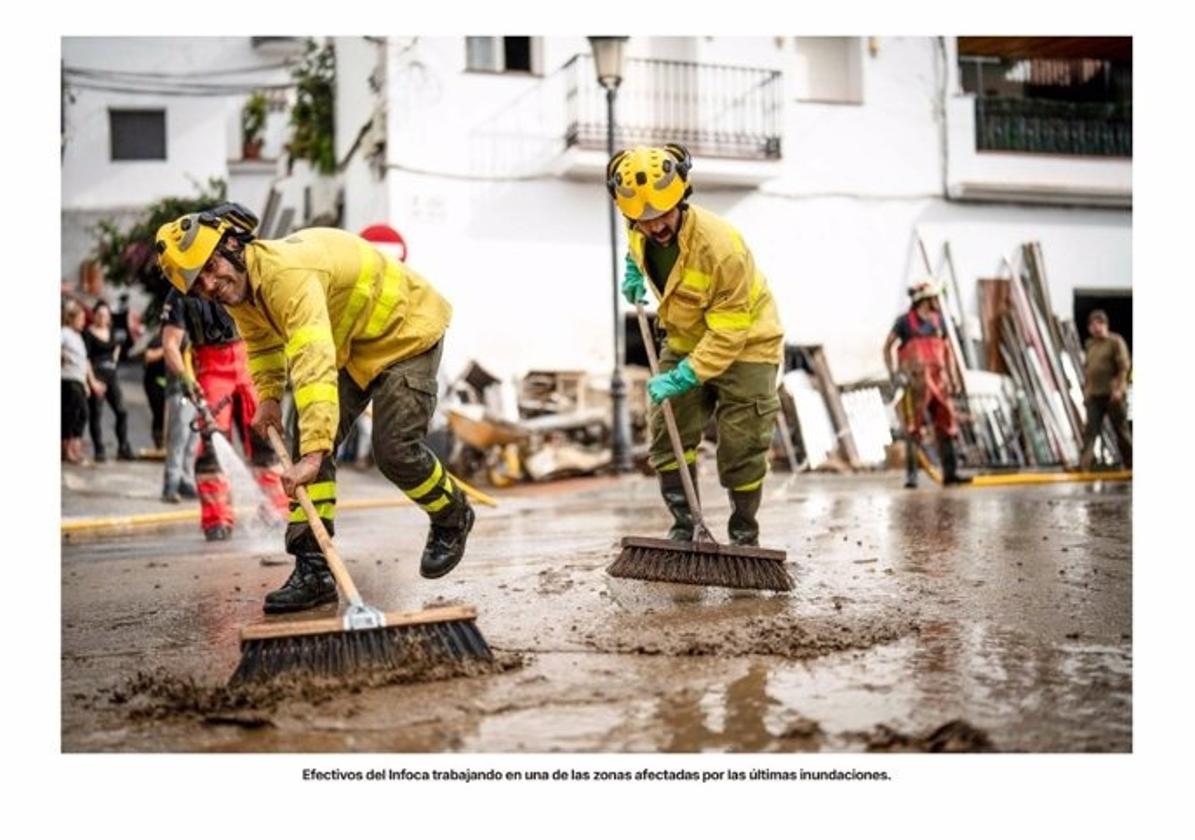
pixel 1118 303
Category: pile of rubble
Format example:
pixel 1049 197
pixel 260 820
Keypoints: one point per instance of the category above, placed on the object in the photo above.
pixel 549 424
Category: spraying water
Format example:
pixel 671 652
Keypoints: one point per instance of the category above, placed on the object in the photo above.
pixel 247 497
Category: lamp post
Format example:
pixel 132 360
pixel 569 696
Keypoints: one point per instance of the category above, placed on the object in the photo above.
pixel 608 61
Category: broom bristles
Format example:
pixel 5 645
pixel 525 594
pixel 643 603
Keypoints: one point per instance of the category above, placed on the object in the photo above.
pixel 344 652
pixel 691 564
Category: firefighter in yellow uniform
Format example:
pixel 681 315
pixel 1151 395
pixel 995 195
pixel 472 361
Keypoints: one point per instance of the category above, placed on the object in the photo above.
pixel 723 344
pixel 348 324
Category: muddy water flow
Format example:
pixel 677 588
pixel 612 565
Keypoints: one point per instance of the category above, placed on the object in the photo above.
pixel 970 619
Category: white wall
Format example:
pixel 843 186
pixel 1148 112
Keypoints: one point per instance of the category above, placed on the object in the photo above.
pixel 526 267
pixel 829 69
pixel 366 195
pixel 198 140
pixel 202 132
pixel 887 146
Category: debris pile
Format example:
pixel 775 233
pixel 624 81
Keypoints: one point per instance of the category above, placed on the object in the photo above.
pixel 550 424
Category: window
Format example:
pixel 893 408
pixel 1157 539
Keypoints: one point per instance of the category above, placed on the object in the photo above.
pixel 830 70
pixel 502 54
pixel 138 135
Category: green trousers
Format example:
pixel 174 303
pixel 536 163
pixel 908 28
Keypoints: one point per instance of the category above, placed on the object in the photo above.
pixel 404 399
pixel 743 402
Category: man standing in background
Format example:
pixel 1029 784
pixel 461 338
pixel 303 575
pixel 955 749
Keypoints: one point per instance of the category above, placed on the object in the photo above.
pixel 1105 385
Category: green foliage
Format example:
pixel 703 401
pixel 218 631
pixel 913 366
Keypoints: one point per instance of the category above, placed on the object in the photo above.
pixel 127 255
pixel 312 116
pixel 253 117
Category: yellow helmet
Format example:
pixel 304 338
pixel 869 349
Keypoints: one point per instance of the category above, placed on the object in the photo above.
pixel 185 245
pixel 922 288
pixel 648 181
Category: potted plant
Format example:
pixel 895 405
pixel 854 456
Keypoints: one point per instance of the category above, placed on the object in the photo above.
pixel 253 123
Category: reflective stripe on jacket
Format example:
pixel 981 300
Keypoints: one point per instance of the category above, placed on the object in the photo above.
pixel 716 307
pixel 324 299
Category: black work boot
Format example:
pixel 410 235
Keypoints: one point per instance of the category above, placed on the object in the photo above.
pixel 309 585
pixel 125 452
pixel 217 533
pixel 672 488
pixel 910 464
pixel 950 473
pixel 446 540
pixel 742 528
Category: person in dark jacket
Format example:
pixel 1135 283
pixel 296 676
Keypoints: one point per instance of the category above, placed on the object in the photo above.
pixel 1105 388
pixel 103 351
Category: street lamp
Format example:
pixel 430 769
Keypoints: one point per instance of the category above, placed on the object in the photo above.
pixel 608 61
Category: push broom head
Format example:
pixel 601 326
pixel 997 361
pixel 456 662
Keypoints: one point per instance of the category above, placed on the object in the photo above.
pixel 338 647
pixel 702 563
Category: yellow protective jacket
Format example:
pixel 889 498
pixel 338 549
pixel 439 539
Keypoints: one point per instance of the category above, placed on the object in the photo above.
pixel 323 299
pixel 716 307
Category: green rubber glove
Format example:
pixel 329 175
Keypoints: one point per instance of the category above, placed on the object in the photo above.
pixel 675 382
pixel 633 288
pixel 190 386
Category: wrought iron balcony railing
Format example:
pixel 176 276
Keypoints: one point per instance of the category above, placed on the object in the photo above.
pixel 1054 127
pixel 715 110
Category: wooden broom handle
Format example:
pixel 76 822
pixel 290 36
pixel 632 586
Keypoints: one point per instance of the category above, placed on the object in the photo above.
pixel 678 451
pixel 339 570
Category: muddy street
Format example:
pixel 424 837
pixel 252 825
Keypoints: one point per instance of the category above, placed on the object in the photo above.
pixel 974 619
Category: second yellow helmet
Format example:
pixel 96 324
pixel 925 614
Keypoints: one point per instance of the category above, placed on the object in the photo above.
pixel 648 181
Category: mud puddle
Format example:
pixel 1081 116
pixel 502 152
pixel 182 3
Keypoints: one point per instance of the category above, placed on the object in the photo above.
pixel 159 695
pixel 787 636
pixel 742 626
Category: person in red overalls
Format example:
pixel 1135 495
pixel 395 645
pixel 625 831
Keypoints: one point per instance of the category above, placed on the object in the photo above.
pixel 222 381
pixel 926 372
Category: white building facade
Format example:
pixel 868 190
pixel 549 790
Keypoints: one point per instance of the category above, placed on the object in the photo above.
pixel 833 156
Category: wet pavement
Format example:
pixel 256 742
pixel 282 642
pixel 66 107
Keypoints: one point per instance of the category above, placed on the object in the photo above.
pixel 968 618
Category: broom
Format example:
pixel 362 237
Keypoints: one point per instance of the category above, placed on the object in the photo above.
pixel 364 638
pixel 703 561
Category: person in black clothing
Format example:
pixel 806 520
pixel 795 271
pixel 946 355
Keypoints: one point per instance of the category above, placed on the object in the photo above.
pixel 103 351
pixel 154 380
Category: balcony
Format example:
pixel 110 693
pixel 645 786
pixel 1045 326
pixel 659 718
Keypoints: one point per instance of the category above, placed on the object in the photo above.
pixel 714 110
pixel 1046 126
pixel 1043 120
pixel 728 117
